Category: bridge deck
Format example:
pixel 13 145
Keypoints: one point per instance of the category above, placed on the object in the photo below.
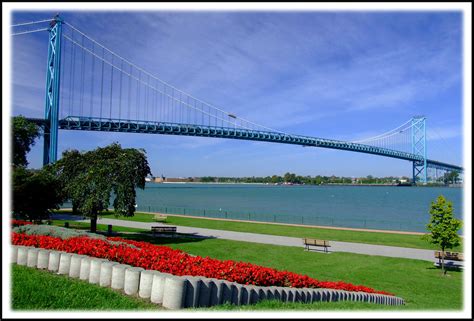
pixel 128 126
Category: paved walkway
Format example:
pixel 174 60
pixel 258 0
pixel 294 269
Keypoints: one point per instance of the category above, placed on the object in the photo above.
pixel 359 248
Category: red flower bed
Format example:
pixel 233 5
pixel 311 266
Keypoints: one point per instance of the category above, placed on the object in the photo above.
pixel 177 262
pixel 20 223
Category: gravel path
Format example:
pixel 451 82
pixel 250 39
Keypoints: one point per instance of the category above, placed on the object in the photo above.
pixel 359 248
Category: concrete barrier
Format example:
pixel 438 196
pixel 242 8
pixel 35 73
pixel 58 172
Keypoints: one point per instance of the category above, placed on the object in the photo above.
pixel 236 294
pixel 43 259
pixel 22 256
pixel 94 272
pixel 105 277
pixel 118 276
pixel 53 263
pixel 146 283
pixel 132 280
pixel 193 287
pixel 75 266
pixel 253 293
pixel 13 254
pixel 158 287
pixel 174 293
pixel 85 268
pixel 226 292
pixel 64 263
pixel 216 292
pixel 32 258
pixel 205 292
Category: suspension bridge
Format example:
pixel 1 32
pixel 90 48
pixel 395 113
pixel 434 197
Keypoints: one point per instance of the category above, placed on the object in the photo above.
pixel 90 87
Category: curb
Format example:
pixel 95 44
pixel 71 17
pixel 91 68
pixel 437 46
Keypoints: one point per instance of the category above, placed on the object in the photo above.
pixel 178 292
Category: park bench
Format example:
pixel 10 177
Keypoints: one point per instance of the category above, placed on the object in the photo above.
pixel 159 218
pixel 163 229
pixel 314 242
pixel 449 256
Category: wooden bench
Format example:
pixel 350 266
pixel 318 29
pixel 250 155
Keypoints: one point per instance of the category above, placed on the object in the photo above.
pixel 449 256
pixel 314 242
pixel 159 218
pixel 163 229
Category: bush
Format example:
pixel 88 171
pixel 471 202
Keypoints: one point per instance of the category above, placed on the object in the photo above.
pixel 55 231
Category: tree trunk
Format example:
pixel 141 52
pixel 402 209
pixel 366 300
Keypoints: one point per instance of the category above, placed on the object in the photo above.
pixel 442 262
pixel 94 224
pixel 74 208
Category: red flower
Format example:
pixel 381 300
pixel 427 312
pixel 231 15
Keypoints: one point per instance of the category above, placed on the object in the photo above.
pixel 177 262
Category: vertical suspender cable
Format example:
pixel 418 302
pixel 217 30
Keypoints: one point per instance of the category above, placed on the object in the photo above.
pixel 92 80
pixel 83 62
pixel 129 98
pixel 120 90
pixel 102 83
pixel 71 76
pixel 138 95
pixel 111 85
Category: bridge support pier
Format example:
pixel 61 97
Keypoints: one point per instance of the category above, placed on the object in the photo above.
pixel 51 110
pixel 418 134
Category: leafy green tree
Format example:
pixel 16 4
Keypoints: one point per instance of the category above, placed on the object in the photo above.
pixel 443 226
pixel 90 179
pixel 24 135
pixel 35 193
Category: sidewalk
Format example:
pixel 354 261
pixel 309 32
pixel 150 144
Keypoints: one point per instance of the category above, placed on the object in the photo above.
pixel 359 248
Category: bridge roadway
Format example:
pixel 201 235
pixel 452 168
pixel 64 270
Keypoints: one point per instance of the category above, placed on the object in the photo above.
pixel 135 126
pixel 359 248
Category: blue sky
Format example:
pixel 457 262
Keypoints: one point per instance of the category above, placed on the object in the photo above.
pixel 340 75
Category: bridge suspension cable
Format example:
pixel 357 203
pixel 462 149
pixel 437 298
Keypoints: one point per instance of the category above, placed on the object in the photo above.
pixel 30 23
pixel 399 138
pixel 155 99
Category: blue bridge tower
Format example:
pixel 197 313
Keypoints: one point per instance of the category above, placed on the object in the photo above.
pixel 51 109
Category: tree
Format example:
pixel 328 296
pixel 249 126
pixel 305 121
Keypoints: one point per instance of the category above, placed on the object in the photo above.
pixel 35 193
pixel 90 178
pixel 24 135
pixel 443 226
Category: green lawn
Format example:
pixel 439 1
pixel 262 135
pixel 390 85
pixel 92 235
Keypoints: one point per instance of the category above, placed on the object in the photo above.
pixel 390 239
pixel 34 289
pixel 418 282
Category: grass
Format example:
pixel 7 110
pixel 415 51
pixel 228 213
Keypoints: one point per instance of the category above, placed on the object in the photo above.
pixel 389 239
pixel 418 282
pixel 34 289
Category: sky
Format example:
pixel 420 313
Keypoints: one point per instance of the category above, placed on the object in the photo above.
pixel 330 74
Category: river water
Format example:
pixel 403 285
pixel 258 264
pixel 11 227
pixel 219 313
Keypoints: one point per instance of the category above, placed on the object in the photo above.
pixel 372 207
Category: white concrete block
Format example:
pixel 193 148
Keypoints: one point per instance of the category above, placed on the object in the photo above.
pixel 85 268
pixel 132 280
pixel 118 276
pixel 53 263
pixel 174 293
pixel 64 263
pixel 32 259
pixel 105 276
pixel 146 283
pixel 43 259
pixel 22 256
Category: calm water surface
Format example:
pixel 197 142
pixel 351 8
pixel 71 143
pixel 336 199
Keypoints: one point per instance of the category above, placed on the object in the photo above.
pixel 377 207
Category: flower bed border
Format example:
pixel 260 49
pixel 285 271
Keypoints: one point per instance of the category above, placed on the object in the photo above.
pixel 177 292
pixel 176 262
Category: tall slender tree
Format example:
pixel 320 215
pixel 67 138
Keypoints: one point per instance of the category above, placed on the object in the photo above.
pixel 443 227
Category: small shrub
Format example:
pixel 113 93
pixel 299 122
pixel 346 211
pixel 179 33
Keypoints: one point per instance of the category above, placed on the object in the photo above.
pixel 55 231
